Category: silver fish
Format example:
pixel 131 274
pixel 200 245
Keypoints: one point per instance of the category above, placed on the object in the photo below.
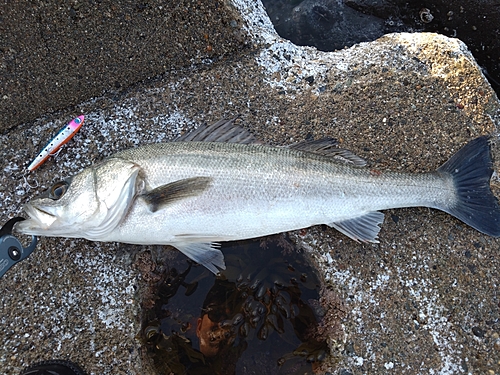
pixel 217 184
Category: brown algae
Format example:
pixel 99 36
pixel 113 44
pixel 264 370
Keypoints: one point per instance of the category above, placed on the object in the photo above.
pixel 259 316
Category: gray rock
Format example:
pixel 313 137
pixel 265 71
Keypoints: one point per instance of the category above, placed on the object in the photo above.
pixel 325 24
pixel 333 24
pixel 54 55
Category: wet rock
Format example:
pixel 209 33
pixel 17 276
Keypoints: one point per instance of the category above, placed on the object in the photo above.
pixel 330 24
pixel 325 24
pixel 235 319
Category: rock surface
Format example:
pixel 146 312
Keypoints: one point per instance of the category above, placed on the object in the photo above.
pixel 57 54
pixel 424 300
pixel 332 24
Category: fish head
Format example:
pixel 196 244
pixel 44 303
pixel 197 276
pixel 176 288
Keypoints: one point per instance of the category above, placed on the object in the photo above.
pixel 88 205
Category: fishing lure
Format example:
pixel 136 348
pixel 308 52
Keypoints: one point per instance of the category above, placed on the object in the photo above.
pixel 55 144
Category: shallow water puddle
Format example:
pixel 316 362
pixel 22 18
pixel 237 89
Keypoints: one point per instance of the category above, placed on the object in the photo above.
pixel 259 316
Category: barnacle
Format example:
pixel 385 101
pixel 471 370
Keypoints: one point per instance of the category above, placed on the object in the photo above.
pixel 426 15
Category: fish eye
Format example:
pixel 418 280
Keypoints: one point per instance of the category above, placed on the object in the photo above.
pixel 58 189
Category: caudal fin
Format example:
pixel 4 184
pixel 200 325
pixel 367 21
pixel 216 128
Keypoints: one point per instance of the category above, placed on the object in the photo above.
pixel 471 168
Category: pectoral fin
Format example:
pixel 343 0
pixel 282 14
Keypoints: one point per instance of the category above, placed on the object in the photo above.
pixel 166 194
pixel 205 254
pixel 363 228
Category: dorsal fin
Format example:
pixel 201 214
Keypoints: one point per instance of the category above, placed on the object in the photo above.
pixel 222 131
pixel 329 147
pixel 226 131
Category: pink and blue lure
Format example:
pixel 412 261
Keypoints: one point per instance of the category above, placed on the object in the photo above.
pixel 55 144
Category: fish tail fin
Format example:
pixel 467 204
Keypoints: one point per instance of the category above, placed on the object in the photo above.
pixel 471 169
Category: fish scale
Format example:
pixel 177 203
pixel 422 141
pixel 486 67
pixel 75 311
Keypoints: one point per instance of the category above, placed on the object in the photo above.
pixel 271 174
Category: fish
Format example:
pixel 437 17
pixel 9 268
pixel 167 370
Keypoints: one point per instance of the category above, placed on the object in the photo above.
pixel 64 135
pixel 219 183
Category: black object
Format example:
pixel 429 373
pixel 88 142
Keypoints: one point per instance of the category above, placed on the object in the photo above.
pixel 11 250
pixel 53 367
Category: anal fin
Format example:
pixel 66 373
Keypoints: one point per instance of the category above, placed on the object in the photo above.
pixel 203 253
pixel 363 228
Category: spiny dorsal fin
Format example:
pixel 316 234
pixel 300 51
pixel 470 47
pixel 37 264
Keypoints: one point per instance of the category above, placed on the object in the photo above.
pixel 165 194
pixel 329 147
pixel 364 228
pixel 222 131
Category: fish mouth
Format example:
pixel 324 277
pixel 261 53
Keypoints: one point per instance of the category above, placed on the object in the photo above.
pixel 39 220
